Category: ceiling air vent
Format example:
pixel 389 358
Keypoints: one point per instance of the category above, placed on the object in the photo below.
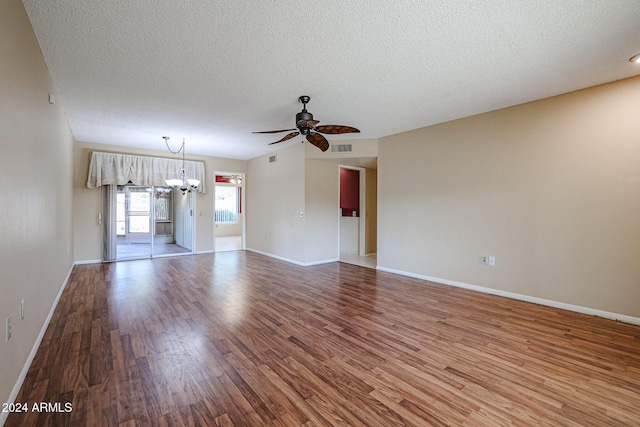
pixel 273 159
pixel 341 148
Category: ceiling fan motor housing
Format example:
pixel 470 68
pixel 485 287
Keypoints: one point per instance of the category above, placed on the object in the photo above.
pixel 304 115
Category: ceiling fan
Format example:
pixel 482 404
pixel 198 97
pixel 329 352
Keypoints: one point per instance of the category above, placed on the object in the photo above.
pixel 308 127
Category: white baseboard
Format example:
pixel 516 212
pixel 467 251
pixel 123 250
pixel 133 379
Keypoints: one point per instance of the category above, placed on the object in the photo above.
pixel 293 261
pixel 550 303
pixel 88 261
pixel 99 261
pixel 211 251
pixel 324 261
pixel 34 349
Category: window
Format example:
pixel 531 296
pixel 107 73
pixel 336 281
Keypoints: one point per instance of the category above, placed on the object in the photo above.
pixel 163 204
pixel 227 204
pixel 139 210
pixel 132 215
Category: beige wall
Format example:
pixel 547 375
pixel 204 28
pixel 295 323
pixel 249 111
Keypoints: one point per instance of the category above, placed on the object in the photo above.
pixel 88 202
pixel 35 193
pixel 226 230
pixel 275 197
pixel 361 149
pixel 322 205
pixel 304 179
pixel 365 153
pixel 300 181
pixel 550 188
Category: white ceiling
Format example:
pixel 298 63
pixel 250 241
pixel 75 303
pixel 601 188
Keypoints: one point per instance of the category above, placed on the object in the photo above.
pixel 128 72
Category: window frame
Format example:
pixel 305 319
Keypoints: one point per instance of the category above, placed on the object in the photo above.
pixel 238 203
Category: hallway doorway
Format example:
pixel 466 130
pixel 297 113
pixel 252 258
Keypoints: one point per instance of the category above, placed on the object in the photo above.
pixel 229 227
pixel 358 216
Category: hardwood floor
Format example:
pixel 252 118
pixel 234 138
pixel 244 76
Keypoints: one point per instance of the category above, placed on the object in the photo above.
pixel 237 338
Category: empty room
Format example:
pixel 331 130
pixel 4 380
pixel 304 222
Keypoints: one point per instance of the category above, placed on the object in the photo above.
pixel 343 213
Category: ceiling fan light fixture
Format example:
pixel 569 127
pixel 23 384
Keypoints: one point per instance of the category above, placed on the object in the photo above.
pixel 635 58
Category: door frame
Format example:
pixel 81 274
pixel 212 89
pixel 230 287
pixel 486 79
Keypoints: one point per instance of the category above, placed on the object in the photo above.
pixel 362 227
pixel 243 231
pixel 191 210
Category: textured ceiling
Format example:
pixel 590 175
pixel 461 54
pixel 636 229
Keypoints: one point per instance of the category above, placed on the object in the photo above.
pixel 128 72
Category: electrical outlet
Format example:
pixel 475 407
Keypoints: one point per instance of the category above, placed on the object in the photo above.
pixel 483 259
pixel 9 329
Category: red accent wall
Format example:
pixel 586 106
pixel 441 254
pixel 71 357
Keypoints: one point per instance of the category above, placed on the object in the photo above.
pixel 222 178
pixel 349 192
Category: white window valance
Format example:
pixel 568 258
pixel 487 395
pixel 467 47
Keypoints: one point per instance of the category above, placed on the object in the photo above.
pixel 119 169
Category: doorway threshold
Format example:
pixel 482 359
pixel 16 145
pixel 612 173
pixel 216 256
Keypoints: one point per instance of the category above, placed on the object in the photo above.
pixel 127 251
pixel 368 261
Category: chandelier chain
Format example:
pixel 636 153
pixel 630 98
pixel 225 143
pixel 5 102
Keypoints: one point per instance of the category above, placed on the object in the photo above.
pixel 166 141
pixel 184 184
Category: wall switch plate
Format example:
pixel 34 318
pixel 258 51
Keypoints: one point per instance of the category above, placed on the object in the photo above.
pixel 492 260
pixel 9 329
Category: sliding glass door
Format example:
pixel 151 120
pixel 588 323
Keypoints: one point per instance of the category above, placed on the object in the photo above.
pixel 148 222
pixel 134 222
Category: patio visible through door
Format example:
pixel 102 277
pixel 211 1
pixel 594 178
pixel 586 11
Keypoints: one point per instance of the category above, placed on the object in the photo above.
pixel 152 221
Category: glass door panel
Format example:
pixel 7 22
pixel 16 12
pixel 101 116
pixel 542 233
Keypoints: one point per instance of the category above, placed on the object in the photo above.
pixel 152 221
pixel 163 237
pixel 138 215
pixel 134 226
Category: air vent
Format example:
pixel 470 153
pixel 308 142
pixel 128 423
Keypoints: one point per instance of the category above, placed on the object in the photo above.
pixel 341 148
pixel 273 159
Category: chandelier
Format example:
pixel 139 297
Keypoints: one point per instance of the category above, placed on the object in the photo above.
pixel 183 183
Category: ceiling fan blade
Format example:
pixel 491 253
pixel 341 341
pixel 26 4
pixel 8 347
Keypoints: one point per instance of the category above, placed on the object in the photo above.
pixel 286 137
pixel 335 129
pixel 319 141
pixel 311 124
pixel 275 131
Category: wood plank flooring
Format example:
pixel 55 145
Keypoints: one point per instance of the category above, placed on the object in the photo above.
pixel 236 338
